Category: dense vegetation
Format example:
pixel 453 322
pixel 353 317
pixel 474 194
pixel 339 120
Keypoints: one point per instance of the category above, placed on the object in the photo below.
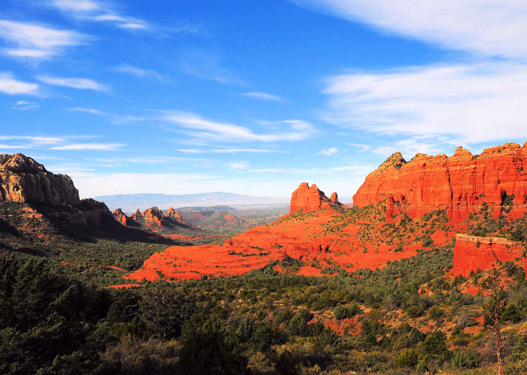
pixel 408 317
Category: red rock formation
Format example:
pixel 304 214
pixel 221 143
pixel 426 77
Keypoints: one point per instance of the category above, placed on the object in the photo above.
pixel 153 216
pixel 472 253
pixel 174 214
pixel 308 199
pixel 334 197
pixel 23 180
pixel 137 215
pixel 120 217
pixel 461 183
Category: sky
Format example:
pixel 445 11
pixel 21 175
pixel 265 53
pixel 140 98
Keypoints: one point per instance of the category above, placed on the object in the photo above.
pixel 255 97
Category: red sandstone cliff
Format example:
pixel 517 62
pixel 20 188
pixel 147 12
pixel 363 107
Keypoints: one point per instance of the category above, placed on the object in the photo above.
pixel 310 198
pixel 23 180
pixel 472 253
pixel 461 183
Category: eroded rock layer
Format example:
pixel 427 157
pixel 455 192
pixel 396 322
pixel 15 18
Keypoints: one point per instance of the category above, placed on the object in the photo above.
pixel 23 180
pixel 462 183
pixel 473 253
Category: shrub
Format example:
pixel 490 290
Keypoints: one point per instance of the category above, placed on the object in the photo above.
pixel 410 359
pixel 427 242
pixel 465 359
pixel 342 312
pixel 435 343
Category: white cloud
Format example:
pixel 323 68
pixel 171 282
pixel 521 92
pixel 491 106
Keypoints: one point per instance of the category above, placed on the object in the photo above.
pixel 329 152
pixel 361 146
pixel 98 11
pixel 235 150
pixel 201 128
pixel 263 96
pixel 467 104
pixel 89 110
pixel 36 140
pixel 138 72
pixel 90 146
pixel 10 85
pixel 76 83
pixel 22 105
pixel 190 150
pixel 32 41
pixel 238 165
pixel 486 27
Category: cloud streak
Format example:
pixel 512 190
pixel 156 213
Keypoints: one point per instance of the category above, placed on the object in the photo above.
pixel 75 83
pixel 471 104
pixel 98 11
pixel 11 86
pixel 138 72
pixel 22 105
pixel 35 42
pixel 263 96
pixel 90 146
pixel 199 127
pixel 329 152
pixel 484 27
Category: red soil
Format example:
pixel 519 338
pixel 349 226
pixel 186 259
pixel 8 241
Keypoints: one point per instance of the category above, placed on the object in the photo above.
pixel 125 286
pixel 116 268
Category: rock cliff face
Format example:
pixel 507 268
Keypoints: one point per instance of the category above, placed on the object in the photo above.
pixel 308 198
pixel 462 183
pixel 23 180
pixel 472 253
pixel 119 215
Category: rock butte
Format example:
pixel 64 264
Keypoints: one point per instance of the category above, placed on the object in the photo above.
pixel 308 198
pixel 23 180
pixel 461 183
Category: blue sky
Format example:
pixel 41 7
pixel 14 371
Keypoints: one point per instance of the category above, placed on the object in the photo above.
pixel 255 97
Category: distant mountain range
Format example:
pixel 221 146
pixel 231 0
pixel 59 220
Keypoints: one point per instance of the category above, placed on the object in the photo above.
pixel 131 202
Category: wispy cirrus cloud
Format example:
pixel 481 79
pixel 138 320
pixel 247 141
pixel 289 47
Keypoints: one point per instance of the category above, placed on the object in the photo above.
pixel 239 165
pixel 138 72
pixel 99 11
pixel 11 86
pixel 263 96
pixel 34 42
pixel 225 150
pixel 89 110
pixel 22 105
pixel 75 83
pixel 361 146
pixel 466 103
pixel 484 27
pixel 17 142
pixel 207 65
pixel 200 127
pixel 329 151
pixel 90 146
